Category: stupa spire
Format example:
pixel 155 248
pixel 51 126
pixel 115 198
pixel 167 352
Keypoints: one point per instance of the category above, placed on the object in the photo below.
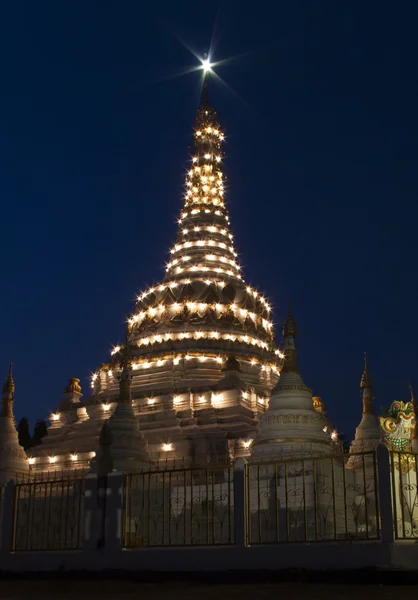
pixel 205 90
pixel 367 435
pixel 125 378
pixel 290 331
pixel 8 392
pixel 203 296
pixel 367 386
pixel 12 456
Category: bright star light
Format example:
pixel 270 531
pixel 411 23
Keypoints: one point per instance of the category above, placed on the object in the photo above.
pixel 206 65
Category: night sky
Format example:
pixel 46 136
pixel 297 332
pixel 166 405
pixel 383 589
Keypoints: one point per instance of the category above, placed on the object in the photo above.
pixel 321 160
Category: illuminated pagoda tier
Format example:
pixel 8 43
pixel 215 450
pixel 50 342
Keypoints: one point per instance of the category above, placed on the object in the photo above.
pixel 200 341
pixel 295 422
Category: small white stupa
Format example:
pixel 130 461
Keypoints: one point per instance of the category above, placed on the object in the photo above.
pixel 13 459
pixel 368 435
pixel 291 425
pixel 122 445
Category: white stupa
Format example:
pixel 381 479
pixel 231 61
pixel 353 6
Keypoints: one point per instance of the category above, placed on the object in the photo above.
pixel 121 444
pixel 367 436
pixel 13 459
pixel 291 425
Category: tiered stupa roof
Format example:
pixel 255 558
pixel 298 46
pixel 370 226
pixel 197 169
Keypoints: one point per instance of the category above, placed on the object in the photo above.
pixel 202 309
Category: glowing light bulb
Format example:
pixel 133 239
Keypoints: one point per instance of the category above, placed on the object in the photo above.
pixel 52 459
pixel 106 406
pixel 74 457
pixel 216 398
pixel 31 460
pixel 167 447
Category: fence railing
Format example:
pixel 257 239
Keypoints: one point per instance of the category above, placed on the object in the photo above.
pixel 179 507
pixel 339 498
pixel 49 513
pixel 403 466
pixel 313 499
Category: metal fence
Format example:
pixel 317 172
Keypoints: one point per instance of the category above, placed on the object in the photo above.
pixel 291 500
pixel 49 512
pixel 403 467
pixel 179 507
pixel 313 499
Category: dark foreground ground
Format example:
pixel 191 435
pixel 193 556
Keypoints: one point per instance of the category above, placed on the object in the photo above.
pixel 356 586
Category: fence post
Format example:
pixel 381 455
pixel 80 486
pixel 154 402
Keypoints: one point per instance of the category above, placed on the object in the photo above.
pixel 240 527
pixel 90 512
pixel 114 512
pixel 385 494
pixel 8 517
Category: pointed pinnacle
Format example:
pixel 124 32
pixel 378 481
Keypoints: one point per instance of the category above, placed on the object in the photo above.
pixel 366 379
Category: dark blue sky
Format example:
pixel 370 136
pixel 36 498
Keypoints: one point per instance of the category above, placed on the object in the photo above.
pixel 321 164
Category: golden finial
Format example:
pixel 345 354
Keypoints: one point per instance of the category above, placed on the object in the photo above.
pixel 318 404
pixel 290 327
pixel 73 387
pixel 366 378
